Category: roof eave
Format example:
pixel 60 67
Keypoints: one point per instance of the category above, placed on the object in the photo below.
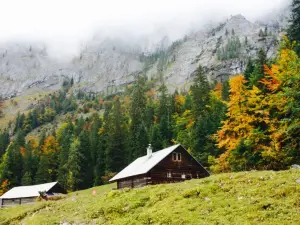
pixel 178 145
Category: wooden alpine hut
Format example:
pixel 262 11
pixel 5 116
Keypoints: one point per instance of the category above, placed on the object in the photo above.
pixel 172 164
pixel 28 194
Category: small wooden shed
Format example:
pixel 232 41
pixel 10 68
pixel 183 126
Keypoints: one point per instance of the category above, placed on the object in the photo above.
pixel 28 194
pixel 172 164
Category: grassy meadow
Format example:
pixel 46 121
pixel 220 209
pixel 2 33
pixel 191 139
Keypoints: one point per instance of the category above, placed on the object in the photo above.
pixel 264 197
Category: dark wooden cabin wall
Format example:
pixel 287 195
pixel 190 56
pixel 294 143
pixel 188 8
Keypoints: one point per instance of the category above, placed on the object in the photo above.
pixel 188 165
pixel 158 174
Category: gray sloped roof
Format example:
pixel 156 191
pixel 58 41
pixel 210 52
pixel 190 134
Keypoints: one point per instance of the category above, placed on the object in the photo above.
pixel 27 191
pixel 144 164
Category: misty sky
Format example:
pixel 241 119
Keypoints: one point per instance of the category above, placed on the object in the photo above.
pixel 65 23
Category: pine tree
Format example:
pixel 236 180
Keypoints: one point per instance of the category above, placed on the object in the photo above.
pixel 259 67
pixel 4 141
pixel 20 138
pixel 204 129
pixel 164 115
pixel 225 91
pixel 30 161
pixel 94 136
pixel 232 32
pixel 27 179
pixel 200 93
pixel 155 138
pixel 115 151
pixel 266 31
pixel 226 32
pixel 97 149
pixel 73 166
pixel 138 132
pixel 249 69
pixel 19 121
pixel 86 168
pixel 27 126
pixel 246 40
pixel 11 165
pixel 294 29
pixel 50 151
pixel 64 139
pixel 43 175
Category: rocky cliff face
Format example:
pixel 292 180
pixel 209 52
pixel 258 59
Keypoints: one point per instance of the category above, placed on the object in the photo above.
pixel 106 66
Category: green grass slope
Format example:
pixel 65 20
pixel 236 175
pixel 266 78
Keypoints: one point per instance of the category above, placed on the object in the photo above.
pixel 264 197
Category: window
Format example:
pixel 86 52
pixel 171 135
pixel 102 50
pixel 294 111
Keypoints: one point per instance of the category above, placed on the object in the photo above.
pixel 183 175
pixel 176 156
pixel 169 174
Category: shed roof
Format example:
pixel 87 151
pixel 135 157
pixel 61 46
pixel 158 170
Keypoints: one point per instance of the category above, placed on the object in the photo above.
pixel 144 164
pixel 27 191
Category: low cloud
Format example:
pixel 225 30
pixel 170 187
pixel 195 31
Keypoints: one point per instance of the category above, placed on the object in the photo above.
pixel 65 24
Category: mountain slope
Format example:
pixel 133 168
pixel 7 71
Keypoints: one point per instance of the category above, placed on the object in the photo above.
pixel 264 197
pixel 106 65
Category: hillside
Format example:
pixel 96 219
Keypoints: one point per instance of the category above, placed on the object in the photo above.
pixel 107 65
pixel 264 197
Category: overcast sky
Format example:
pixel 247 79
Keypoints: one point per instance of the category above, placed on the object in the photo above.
pixel 67 22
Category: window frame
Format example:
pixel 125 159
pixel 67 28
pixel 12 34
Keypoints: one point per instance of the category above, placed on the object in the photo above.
pixel 183 175
pixel 176 157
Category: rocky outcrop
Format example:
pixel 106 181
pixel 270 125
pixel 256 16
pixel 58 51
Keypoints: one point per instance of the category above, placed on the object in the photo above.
pixel 108 65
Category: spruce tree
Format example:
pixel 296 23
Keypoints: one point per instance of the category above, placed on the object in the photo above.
pixel 115 151
pixel 27 179
pixel 225 91
pixel 4 142
pixel 86 167
pixel 294 28
pixel 138 132
pixel 249 69
pixel 97 149
pixel 94 136
pixel 266 31
pixel 30 161
pixel 73 166
pixel 11 165
pixel 200 93
pixel 259 69
pixel 226 32
pixel 20 138
pixel 233 32
pixel 64 137
pixel 155 138
pixel 164 115
pixel 43 175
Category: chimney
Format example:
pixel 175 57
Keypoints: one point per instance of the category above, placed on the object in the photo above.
pixel 149 151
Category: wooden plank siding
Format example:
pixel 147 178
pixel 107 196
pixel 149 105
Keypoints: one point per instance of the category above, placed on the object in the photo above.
pixel 17 201
pixel 184 169
pixel 179 170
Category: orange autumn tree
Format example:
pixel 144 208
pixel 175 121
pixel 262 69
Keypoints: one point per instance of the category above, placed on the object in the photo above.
pixel 243 135
pixel 237 124
pixel 262 129
pixel 282 81
pixel 48 165
pixel 4 187
pixel 50 145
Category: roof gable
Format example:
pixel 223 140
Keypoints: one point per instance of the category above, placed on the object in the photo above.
pixel 28 191
pixel 144 164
